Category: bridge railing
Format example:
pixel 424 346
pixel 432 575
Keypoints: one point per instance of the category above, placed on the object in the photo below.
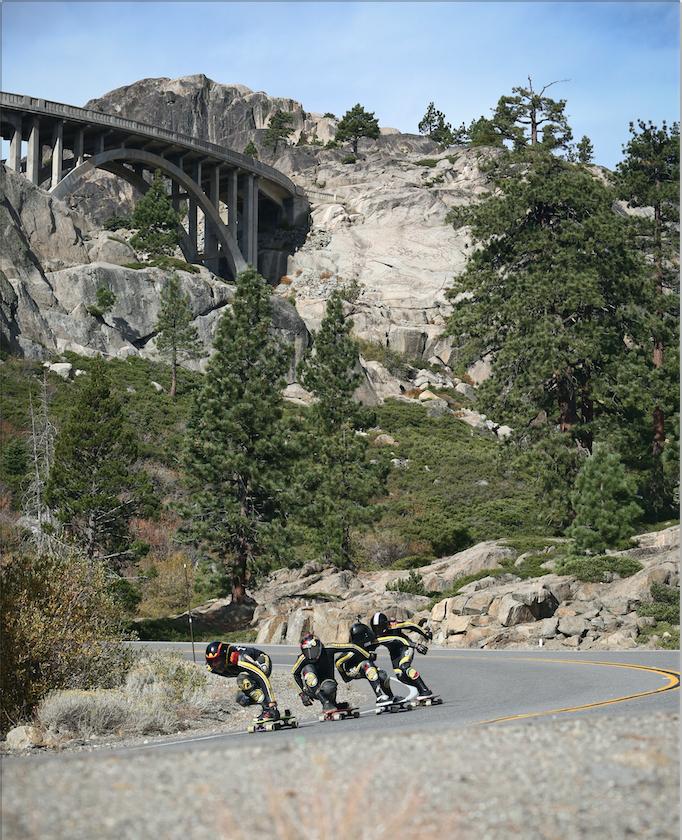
pixel 85 115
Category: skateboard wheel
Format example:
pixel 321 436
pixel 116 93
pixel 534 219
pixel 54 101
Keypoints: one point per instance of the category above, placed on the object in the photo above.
pixel 336 717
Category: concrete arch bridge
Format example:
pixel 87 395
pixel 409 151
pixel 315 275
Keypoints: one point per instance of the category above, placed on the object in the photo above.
pixel 238 196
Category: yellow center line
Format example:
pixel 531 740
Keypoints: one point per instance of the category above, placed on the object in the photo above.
pixel 672 682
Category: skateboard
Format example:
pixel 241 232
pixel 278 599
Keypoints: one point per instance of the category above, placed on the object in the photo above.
pixel 428 701
pixel 339 714
pixel 286 721
pixel 400 706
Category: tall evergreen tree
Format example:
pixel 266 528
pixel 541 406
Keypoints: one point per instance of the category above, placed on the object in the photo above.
pixel 177 337
pixel 585 150
pixel 556 293
pixel 528 117
pixel 435 126
pixel 337 482
pixel 156 221
pixel 649 176
pixel 604 501
pixel 355 124
pixel 280 127
pixel 482 132
pixel 236 450
pixel 94 487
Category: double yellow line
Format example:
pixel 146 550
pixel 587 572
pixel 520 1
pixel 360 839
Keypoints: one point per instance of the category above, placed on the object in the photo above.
pixel 672 682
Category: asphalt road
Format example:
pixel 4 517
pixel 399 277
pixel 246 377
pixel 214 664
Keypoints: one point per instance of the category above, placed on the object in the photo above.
pixel 490 688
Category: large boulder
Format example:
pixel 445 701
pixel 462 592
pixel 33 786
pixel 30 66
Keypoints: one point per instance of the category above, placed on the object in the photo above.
pixel 440 575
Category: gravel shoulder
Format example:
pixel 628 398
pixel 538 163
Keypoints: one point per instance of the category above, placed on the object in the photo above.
pixel 588 776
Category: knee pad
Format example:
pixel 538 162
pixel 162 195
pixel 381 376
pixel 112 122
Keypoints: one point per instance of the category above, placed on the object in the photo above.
pixel 245 683
pixel 412 673
pixel 257 695
pixel 310 679
pixel 265 664
pixel 371 672
pixel 328 690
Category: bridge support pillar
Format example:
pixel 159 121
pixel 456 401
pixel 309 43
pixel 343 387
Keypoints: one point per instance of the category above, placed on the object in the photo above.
pixel 33 156
pixel 193 226
pixel 211 259
pixel 250 221
pixel 78 144
pixel 57 154
pixel 14 159
pixel 232 190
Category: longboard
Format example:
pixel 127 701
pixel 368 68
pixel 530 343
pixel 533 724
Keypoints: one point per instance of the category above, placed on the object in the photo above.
pixel 339 714
pixel 427 701
pixel 287 721
pixel 401 706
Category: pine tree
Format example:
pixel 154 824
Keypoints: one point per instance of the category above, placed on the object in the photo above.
pixel 156 221
pixel 557 294
pixel 237 448
pixel 355 124
pixel 104 301
pixel 337 482
pixel 604 501
pixel 176 335
pixel 527 114
pixel 585 150
pixel 482 132
pixel 94 487
pixel 435 126
pixel 250 149
pixel 649 176
pixel 280 127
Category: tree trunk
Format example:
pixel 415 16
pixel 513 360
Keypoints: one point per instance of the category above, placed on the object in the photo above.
pixel 658 419
pixel 586 417
pixel 659 431
pixel 174 374
pixel 567 410
pixel 239 580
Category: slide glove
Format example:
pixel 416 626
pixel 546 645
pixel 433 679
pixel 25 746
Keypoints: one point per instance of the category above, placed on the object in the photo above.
pixel 428 632
pixel 307 701
pixel 421 648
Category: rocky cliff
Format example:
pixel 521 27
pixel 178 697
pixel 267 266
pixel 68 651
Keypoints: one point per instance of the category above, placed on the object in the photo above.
pixel 52 265
pixel 378 222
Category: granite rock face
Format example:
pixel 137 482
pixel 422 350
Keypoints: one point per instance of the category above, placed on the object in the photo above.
pixel 49 281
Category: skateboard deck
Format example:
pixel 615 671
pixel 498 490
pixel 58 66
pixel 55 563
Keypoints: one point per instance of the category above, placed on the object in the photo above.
pixel 287 721
pixel 428 701
pixel 402 706
pixel 339 714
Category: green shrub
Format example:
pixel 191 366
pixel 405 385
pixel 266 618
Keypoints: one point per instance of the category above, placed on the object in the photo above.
pixel 349 159
pixel 412 584
pixel 117 223
pixel 429 162
pixel 594 569
pixel 413 561
pixel 664 605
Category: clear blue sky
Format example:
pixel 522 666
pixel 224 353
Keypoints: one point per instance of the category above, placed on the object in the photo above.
pixel 622 58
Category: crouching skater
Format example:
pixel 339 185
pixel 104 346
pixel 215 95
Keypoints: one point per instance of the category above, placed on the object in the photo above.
pixel 251 667
pixel 315 672
pixel 362 636
pixel 392 634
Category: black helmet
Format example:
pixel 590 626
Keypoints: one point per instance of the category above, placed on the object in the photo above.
pixel 311 647
pixel 379 623
pixel 360 634
pixel 216 655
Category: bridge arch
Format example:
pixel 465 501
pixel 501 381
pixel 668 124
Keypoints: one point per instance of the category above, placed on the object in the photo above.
pixel 112 161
